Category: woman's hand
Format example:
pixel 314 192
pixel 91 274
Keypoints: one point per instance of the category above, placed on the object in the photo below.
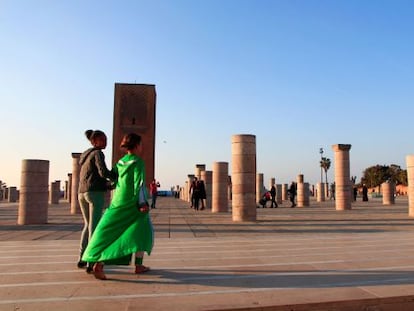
pixel 144 209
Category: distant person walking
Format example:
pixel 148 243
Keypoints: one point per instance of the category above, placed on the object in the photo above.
pixel 153 187
pixel 273 195
pixel 191 191
pixel 93 183
pixel 292 193
pixel 125 228
pixel 203 194
pixel 364 193
pixel 355 192
pixel 332 192
pixel 199 194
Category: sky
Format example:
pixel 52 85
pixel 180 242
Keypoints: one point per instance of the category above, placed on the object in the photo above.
pixel 300 75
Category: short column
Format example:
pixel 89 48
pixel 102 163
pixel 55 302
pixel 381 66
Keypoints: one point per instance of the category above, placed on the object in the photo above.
pixel 272 182
pixel 229 185
pixel 185 191
pixel 34 182
pixel 207 176
pixel 243 151
pixel 284 192
pixel 12 194
pixel 190 178
pixel 54 193
pixel 198 169
pixel 279 193
pixel 74 204
pixel 302 194
pixel 259 187
pixel 219 201
pixel 343 185
pixel 306 193
pixel 388 193
pixel 410 190
pixel 320 189
pixel 70 187
pixel 65 192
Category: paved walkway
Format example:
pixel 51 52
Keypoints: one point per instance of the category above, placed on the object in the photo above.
pixel 312 258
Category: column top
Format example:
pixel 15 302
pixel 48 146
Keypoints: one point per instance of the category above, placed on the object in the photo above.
pixel 341 147
pixel 35 160
pixel 246 138
pixel 220 163
pixel 76 154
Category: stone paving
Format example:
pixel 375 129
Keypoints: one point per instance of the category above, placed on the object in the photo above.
pixel 312 258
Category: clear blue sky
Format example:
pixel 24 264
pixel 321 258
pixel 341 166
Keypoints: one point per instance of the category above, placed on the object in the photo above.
pixel 298 74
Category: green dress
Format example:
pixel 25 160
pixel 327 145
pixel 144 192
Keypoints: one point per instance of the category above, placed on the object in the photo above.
pixel 123 230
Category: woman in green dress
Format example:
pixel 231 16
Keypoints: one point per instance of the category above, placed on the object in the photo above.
pixel 125 228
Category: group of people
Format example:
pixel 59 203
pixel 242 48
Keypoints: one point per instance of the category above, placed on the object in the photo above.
pixel 197 193
pixel 124 232
pixel 271 196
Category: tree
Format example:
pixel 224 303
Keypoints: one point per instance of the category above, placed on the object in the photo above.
pixel 397 175
pixel 325 165
pixel 375 175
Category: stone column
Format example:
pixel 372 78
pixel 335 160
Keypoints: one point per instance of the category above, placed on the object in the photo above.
pixel 306 194
pixel 320 189
pixel 219 199
pixel 74 204
pixel 190 178
pixel 259 187
pixel 70 187
pixel 54 193
pixel 207 177
pixel 34 182
pixel 65 193
pixel 410 190
pixel 198 169
pixel 229 189
pixel 12 194
pixel 243 149
pixel 343 185
pixel 388 193
pixel 279 194
pixel 272 182
pixel 284 192
pixel 302 193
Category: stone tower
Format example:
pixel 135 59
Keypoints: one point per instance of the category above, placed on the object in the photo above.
pixel 134 111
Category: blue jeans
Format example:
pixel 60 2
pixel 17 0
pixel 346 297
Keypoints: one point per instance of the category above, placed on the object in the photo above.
pixel 153 200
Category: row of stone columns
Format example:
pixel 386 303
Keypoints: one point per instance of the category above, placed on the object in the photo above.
pixel 245 184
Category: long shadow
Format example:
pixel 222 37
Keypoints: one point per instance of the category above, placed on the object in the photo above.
pixel 273 278
pixel 43 227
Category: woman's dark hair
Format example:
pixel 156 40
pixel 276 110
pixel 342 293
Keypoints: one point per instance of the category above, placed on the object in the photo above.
pixel 91 135
pixel 130 141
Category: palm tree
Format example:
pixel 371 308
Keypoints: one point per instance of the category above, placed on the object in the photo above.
pixel 325 164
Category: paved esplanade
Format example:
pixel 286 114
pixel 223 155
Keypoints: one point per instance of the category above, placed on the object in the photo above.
pixel 311 258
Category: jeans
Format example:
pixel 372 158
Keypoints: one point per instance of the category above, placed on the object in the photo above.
pixel 153 200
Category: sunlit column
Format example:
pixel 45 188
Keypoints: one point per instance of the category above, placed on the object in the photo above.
pixel 343 185
pixel 243 149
